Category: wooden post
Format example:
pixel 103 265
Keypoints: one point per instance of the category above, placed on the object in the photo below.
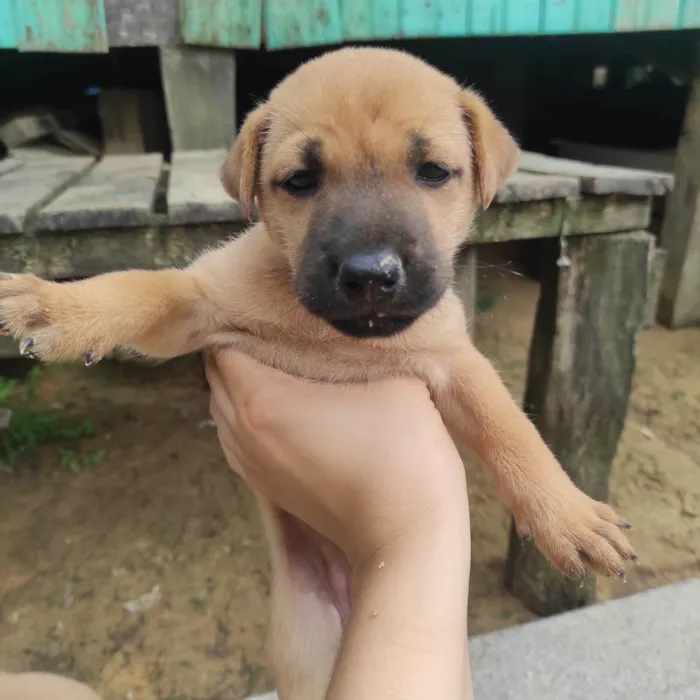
pixel 582 361
pixel 679 303
pixel 200 97
pixel 465 281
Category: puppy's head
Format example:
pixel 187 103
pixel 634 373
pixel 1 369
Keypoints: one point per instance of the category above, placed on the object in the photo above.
pixel 367 166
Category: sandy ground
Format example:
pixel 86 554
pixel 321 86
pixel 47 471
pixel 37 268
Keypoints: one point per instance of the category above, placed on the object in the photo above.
pixel 162 512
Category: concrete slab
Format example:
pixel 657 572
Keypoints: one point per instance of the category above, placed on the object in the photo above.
pixel 643 647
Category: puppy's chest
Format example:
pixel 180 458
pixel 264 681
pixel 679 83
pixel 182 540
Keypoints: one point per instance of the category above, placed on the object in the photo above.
pixel 325 357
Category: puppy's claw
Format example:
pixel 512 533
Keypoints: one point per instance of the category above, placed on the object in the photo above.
pixel 625 525
pixel 25 348
pixel 92 357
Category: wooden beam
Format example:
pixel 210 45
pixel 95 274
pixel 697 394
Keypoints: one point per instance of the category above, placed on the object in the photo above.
pixel 466 281
pixel 200 97
pixel 582 361
pixel 679 304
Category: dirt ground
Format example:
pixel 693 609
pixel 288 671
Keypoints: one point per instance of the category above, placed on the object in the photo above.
pixel 162 515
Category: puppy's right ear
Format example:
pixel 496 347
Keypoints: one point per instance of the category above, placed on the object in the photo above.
pixel 240 172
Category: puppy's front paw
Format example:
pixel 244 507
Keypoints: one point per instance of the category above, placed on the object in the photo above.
pixel 49 323
pixel 576 532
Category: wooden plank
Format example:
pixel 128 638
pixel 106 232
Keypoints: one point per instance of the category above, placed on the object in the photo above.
pixel 295 23
pixel 690 13
pixel 141 22
pixel 606 214
pixel 519 221
pixel 528 187
pixel 487 17
pixel 8 39
pixel 7 165
pixel 600 179
pixel 65 254
pixel 26 189
pixel 129 120
pixel 118 192
pixel 436 18
pixel 195 194
pixel 465 283
pixel 559 16
pixel 595 16
pixel 582 363
pixel 73 26
pixel 657 265
pixel 225 23
pixel 522 17
pixel 661 14
pixel 357 18
pixel 629 15
pixel 200 97
pixel 679 304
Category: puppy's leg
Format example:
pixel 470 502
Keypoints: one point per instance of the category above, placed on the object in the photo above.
pixel 570 528
pixel 159 313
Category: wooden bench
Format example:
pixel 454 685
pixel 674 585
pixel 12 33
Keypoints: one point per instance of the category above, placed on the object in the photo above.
pixel 64 217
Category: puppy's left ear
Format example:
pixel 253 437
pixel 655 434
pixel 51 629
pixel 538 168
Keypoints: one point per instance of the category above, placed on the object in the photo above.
pixel 240 172
pixel 495 153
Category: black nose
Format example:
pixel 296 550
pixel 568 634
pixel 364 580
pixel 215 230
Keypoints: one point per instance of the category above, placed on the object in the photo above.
pixel 375 275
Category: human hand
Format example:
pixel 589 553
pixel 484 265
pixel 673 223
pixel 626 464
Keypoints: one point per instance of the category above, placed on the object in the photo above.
pixel 363 465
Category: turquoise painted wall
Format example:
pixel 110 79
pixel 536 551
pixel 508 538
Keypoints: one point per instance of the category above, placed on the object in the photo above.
pixel 79 25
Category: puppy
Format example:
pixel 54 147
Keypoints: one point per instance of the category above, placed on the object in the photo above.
pixel 367 166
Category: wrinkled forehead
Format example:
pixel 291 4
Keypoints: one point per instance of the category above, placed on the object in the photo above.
pixel 353 131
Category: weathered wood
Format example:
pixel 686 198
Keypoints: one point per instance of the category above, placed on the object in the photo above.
pixel 465 282
pixel 87 253
pixel 129 120
pixel 24 190
pixel 528 187
pixel 607 214
pixel 200 97
pixel 142 22
pixel 519 221
pixel 7 165
pixel 600 179
pixel 582 362
pixel 679 304
pixel 657 265
pixel 195 194
pixel 61 25
pixel 118 192
pixel 223 23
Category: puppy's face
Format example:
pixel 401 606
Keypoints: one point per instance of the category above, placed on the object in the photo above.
pixel 367 165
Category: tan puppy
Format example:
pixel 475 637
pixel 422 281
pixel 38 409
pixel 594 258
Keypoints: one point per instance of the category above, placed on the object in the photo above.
pixel 42 686
pixel 367 166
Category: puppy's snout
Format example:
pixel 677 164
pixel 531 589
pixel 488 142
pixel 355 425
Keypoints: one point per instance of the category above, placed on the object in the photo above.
pixel 374 276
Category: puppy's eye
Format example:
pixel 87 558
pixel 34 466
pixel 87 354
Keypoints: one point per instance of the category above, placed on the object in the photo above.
pixel 300 183
pixel 433 174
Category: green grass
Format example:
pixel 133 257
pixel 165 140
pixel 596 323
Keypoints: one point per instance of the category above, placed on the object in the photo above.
pixel 31 426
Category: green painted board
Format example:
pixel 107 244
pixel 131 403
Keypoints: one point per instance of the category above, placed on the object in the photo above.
pixel 662 15
pixel 70 26
pixel 370 19
pixel 433 18
pixel 7 25
pixel 558 16
pixel 629 15
pixel 290 23
pixel 690 13
pixel 487 17
pixel 595 15
pixel 225 23
pixel 522 17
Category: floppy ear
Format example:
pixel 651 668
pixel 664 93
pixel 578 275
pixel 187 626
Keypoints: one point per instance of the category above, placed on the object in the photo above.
pixel 241 170
pixel 495 153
